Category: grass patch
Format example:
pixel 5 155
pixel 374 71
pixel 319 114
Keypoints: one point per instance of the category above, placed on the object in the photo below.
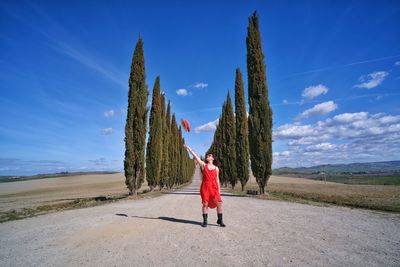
pixel 356 201
pixel 365 179
pixel 44 209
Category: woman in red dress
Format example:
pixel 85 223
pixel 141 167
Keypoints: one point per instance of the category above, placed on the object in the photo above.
pixel 210 187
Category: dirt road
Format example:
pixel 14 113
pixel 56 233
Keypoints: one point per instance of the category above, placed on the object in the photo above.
pixel 166 231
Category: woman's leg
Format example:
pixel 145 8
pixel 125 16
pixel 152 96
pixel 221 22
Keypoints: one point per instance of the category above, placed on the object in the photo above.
pixel 219 213
pixel 205 214
pixel 219 206
pixel 205 208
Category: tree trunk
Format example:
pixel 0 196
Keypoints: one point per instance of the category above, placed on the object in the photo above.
pixel 262 189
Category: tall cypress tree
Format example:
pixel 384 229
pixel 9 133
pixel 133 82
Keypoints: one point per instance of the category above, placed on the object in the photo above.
pixel 154 144
pixel 173 152
pixel 216 149
pixel 180 156
pixel 168 144
pixel 242 138
pixel 213 148
pixel 164 161
pixel 218 144
pixel 136 122
pixel 229 157
pixel 222 146
pixel 260 113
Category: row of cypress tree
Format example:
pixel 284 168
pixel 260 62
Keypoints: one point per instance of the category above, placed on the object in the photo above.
pixel 164 162
pixel 236 136
pixel 230 143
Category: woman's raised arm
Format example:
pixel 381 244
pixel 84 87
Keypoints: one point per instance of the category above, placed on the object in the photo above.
pixel 202 163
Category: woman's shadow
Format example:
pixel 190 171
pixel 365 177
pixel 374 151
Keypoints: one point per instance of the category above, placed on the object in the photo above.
pixel 170 219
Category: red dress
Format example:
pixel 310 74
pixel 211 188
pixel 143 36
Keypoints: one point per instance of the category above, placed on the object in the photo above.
pixel 209 187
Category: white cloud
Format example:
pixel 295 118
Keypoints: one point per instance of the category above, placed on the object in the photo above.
pixel 319 109
pixel 314 91
pixel 321 146
pixel 372 80
pixel 281 154
pixel 343 126
pixel 309 140
pixel 182 92
pixel 200 85
pixel 350 117
pixel 345 138
pixel 109 113
pixel 208 127
pixel 291 131
pixel 397 63
pixel 106 131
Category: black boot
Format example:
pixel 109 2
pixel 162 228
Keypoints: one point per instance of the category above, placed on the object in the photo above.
pixel 220 222
pixel 205 216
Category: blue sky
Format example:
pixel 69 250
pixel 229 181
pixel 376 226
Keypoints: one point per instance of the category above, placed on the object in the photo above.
pixel 333 71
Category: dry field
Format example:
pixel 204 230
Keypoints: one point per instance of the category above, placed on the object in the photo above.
pixel 33 193
pixel 379 197
pixel 40 196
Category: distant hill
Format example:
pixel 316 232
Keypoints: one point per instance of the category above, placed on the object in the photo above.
pixel 6 179
pixel 369 167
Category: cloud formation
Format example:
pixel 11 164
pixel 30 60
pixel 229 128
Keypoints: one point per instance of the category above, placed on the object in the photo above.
pixel 208 127
pixel 200 85
pixel 16 166
pixel 109 113
pixel 319 109
pixel 347 137
pixel 371 80
pixel 107 131
pixel 314 91
pixel 182 92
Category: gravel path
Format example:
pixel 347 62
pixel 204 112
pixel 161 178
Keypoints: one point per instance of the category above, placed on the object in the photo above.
pixel 166 231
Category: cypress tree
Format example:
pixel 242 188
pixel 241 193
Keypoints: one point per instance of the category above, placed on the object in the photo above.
pixel 136 122
pixel 164 148
pixel 229 157
pixel 242 139
pixel 217 149
pixel 184 162
pixel 173 152
pixel 189 167
pixel 260 113
pixel 221 146
pixel 180 156
pixel 168 144
pixel 154 144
